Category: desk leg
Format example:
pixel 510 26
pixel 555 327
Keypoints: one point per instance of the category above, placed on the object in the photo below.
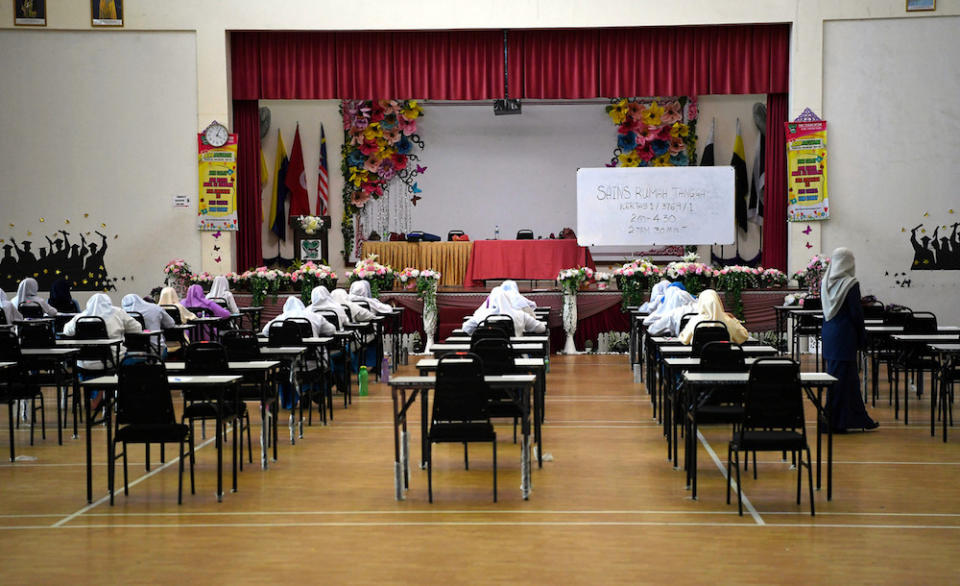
pixel 424 431
pixel 219 435
pixel 539 397
pixel 397 470
pixel 89 424
pixel 820 412
pixel 76 391
pixel 108 421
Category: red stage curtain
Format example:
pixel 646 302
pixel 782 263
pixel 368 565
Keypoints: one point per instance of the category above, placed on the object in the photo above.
pixel 655 61
pixel 557 64
pixel 775 194
pixel 246 124
pixel 245 65
pixel 298 66
pixel 750 59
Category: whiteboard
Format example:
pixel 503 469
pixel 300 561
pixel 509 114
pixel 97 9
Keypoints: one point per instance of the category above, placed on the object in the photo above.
pixel 620 206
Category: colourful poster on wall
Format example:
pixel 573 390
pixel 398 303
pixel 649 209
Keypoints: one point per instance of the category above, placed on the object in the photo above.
pixel 217 206
pixel 807 171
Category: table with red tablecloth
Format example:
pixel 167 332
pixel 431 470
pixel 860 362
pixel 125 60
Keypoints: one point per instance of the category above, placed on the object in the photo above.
pixel 524 259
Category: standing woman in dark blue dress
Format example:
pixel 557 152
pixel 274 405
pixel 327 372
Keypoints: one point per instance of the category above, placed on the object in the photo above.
pixel 843 335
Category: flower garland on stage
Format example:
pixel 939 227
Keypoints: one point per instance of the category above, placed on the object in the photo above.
pixel 654 132
pixel 379 136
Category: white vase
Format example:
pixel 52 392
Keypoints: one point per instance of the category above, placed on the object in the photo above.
pixel 429 327
pixel 569 320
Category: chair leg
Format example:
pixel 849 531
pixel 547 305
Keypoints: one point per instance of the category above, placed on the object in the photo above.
pixel 494 442
pixel 126 487
pixel 466 458
pixel 43 419
pixel 180 477
pixel 810 481
pixel 430 471
pixel 799 473
pixel 754 464
pixel 146 455
pixel 249 441
pixel 739 488
pixel 729 471
pixel 13 449
pixel 193 488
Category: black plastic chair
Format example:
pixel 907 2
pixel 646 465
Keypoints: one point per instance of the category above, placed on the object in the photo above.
pixel 496 355
pixel 241 345
pixel 145 415
pixel 874 310
pixel 460 411
pixel 914 359
pixel 310 373
pixel 37 334
pixel 504 322
pixel 807 325
pixel 91 327
pixel 30 310
pixel 708 331
pixel 685 319
pixel 488 332
pixel 453 233
pixel 139 317
pixel 525 234
pixel 18 384
pixel 772 421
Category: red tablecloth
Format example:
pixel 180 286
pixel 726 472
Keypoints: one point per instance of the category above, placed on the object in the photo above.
pixel 523 259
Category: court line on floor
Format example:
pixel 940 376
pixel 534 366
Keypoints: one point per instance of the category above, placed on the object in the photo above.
pixel 733 483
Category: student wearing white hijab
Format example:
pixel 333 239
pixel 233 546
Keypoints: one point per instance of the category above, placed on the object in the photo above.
pixel 155 319
pixel 656 296
pixel 498 303
pixel 30 291
pixel 9 309
pixel 517 301
pixel 295 308
pixel 221 289
pixel 320 298
pixel 710 308
pixel 360 291
pixel 665 321
pixel 116 320
pixel 843 334
pixel 358 313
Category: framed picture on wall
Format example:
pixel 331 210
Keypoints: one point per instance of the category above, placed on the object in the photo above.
pixel 920 5
pixel 106 12
pixel 30 12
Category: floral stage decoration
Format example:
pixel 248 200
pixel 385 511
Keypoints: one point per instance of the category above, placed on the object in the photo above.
pixel 261 281
pixel 812 274
pixel 378 143
pixel 634 279
pixel 408 277
pixel 177 275
pixel 654 132
pixel 379 276
pixel 569 281
pixel 310 224
pixel 311 275
pixel 695 276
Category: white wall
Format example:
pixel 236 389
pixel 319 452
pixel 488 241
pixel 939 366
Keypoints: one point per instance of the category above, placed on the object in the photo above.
pixel 98 129
pixel 893 138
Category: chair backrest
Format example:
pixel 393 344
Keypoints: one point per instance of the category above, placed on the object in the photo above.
pixel 173 311
pixel 206 357
pixel 722 356
pixel 220 301
pixel 708 331
pixel 30 310
pixel 140 342
pixel 139 317
pixel 504 322
pixel 37 334
pixel 810 322
pixel 525 234
pixel 363 304
pixel 897 317
pixel 346 310
pixel 241 345
pixel 284 333
pixel 874 310
pixel 200 311
pixel 461 394
pixel 3 317
pixel 453 233
pixel 774 398
pixel 495 354
pixel 303 324
pixel 91 327
pixel 920 322
pixel 331 316
pixel 812 303
pixel 484 332
pixel 9 347
pixel 685 318
pixel 143 396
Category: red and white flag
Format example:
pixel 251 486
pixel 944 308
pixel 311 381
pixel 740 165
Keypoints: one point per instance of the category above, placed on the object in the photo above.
pixel 323 183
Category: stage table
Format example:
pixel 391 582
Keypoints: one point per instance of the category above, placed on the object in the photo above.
pixel 450 258
pixel 524 259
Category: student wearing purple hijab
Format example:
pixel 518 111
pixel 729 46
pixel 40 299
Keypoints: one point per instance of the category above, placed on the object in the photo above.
pixel 196 298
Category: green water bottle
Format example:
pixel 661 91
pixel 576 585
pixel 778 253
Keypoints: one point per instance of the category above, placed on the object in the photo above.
pixel 546 364
pixel 364 378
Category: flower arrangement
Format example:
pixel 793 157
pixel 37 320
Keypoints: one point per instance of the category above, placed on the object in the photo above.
pixel 570 279
pixel 734 279
pixel 380 276
pixel 633 278
pixel 262 280
pixel 310 224
pixel 659 132
pixel 602 279
pixel 427 282
pixel 379 136
pixel 770 278
pixel 810 276
pixel 695 276
pixel 178 275
pixel 310 275
pixel 408 276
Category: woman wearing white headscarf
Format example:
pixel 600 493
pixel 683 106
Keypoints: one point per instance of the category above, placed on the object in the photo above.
pixel 710 308
pixel 360 291
pixel 9 309
pixel 320 299
pixel 220 289
pixel 843 334
pixel 155 319
pixel 358 313
pixel 498 303
pixel 116 320
pixel 295 308
pixel 665 320
pixel 517 301
pixel 30 291
pixel 168 296
pixel 656 296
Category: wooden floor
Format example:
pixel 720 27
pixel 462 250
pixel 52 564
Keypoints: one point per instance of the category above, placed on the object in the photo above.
pixel 608 508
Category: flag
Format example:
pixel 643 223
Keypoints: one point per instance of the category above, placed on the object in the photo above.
pixel 706 159
pixel 264 174
pixel 739 164
pixel 323 185
pixel 758 179
pixel 278 222
pixel 296 180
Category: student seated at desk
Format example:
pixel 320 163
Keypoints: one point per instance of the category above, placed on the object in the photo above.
pixel 155 319
pixel 320 299
pixel 710 308
pixel 498 303
pixel 29 291
pixel 60 298
pixel 360 291
pixel 221 289
pixel 196 298
pixel 656 296
pixel 517 301
pixel 665 321
pixel 295 308
pixel 358 313
pixel 9 309
pixel 116 320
